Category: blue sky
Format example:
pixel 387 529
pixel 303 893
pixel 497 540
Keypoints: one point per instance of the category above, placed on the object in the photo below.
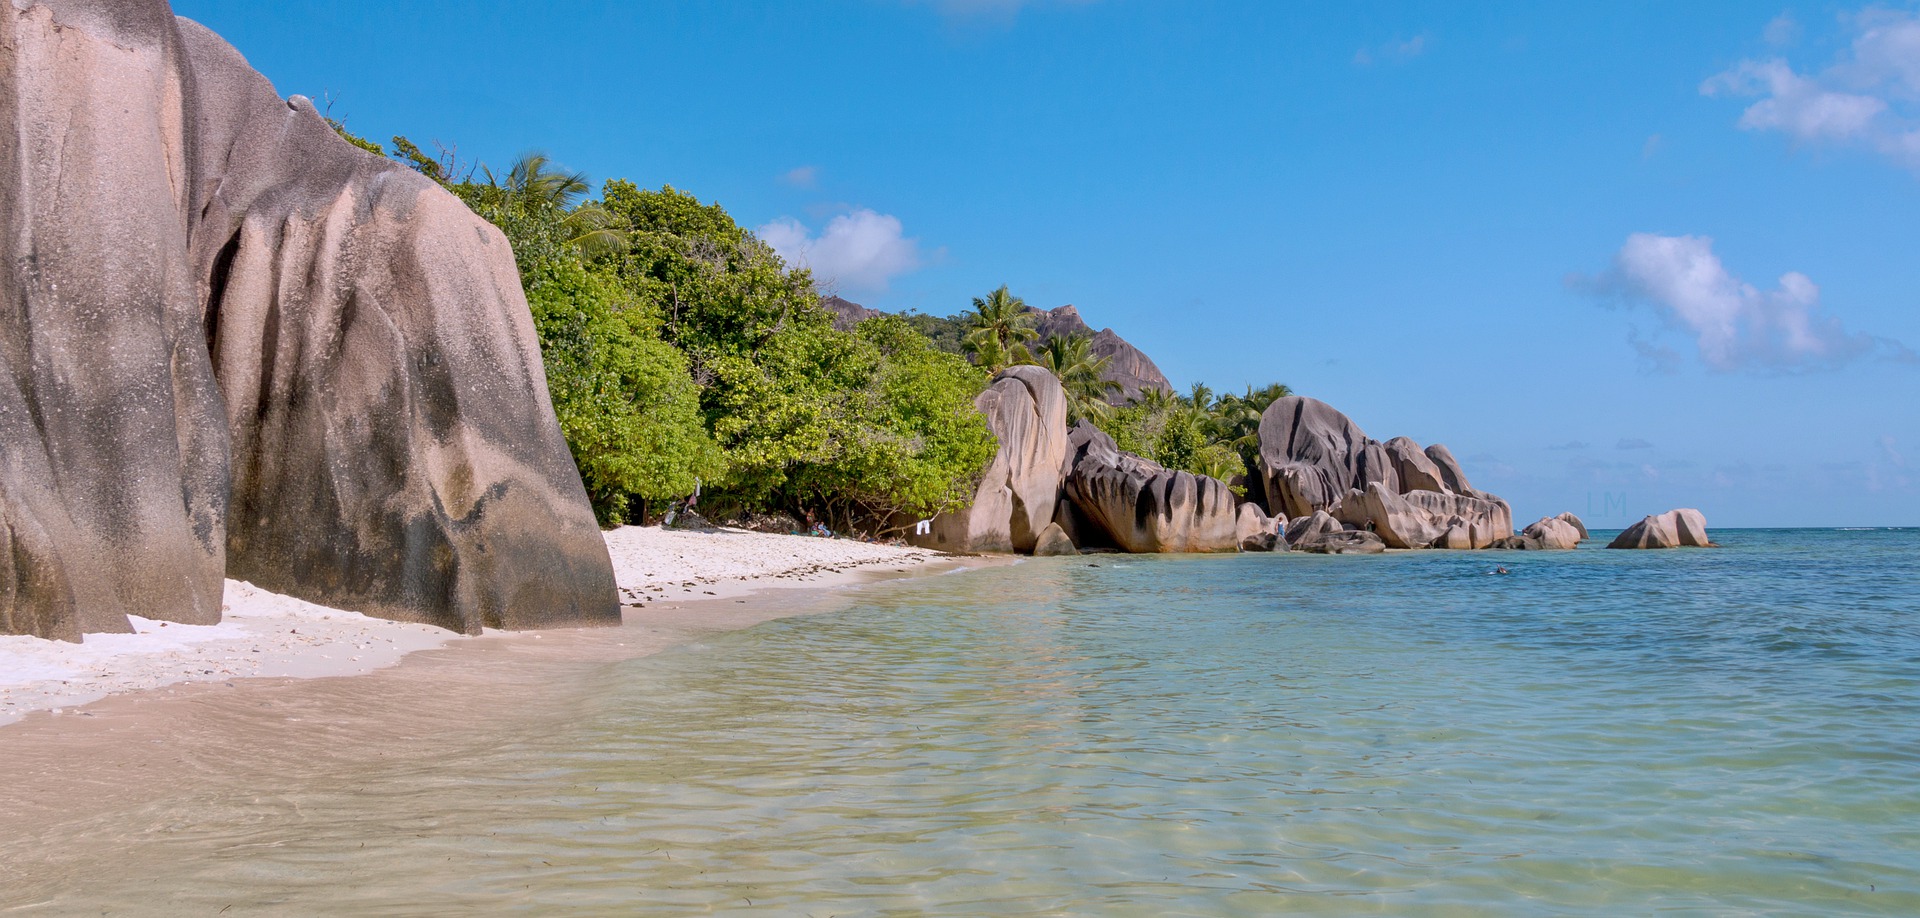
pixel 1620 257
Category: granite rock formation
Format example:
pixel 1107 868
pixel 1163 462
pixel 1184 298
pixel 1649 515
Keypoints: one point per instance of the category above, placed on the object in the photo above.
pixel 1128 366
pixel 1314 459
pixel 1344 542
pixel 1027 411
pixel 1144 507
pixel 1254 530
pixel 1053 541
pixel 234 344
pixel 1307 529
pixel 847 313
pixel 1672 529
pixel 1554 533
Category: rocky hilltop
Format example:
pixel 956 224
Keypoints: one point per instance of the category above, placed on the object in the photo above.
pixel 1129 366
pixel 234 344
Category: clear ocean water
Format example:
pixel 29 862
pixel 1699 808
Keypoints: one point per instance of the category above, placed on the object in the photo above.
pixel 1696 732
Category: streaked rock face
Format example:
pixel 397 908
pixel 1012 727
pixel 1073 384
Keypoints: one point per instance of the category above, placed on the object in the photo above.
pixel 1129 366
pixel 1147 508
pixel 1027 411
pixel 1554 533
pixel 1314 459
pixel 234 344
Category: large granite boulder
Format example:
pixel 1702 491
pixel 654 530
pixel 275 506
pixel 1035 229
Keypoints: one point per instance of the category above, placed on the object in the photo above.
pixel 234 344
pixel 1027 411
pixel 1574 521
pixel 1672 529
pixel 1554 533
pixel 1144 507
pixel 1311 455
pixel 1053 541
pixel 1422 519
pixel 1308 529
pixel 1415 470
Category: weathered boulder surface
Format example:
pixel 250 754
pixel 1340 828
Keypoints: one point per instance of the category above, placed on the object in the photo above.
pixel 1344 542
pixel 1144 507
pixel 1254 530
pixel 1027 411
pixel 1307 529
pixel 1685 528
pixel 1553 533
pixel 1416 471
pixel 1574 521
pixel 234 344
pixel 1421 519
pixel 1311 455
pixel 1053 541
pixel 1313 458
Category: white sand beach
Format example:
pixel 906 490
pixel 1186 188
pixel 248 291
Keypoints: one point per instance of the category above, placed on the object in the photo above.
pixel 265 634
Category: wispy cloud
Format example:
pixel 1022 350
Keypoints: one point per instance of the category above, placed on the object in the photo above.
pixel 1868 97
pixel 1570 445
pixel 801 176
pixel 1782 31
pixel 1734 325
pixel 857 251
pixel 1001 11
pixel 1400 49
pixel 1632 443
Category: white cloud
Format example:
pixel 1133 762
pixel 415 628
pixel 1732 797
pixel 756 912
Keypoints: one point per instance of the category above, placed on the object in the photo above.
pixel 860 250
pixel 1868 97
pixel 801 176
pixel 1396 50
pixel 1734 325
pixel 1783 30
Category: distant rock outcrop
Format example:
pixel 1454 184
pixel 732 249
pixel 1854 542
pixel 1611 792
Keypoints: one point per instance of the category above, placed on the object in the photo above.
pixel 1144 507
pixel 1027 411
pixel 847 313
pixel 1554 533
pixel 1129 366
pixel 1672 529
pixel 1314 459
pixel 233 344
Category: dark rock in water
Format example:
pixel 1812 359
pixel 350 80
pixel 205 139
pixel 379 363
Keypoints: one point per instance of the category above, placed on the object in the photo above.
pixel 1345 542
pixel 1255 531
pixel 1307 529
pixel 1053 541
pixel 1518 543
pixel 1672 529
pixel 1147 508
pixel 1027 411
pixel 234 344
pixel 1129 366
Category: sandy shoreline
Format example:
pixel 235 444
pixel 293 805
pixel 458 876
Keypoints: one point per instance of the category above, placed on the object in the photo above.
pixel 266 635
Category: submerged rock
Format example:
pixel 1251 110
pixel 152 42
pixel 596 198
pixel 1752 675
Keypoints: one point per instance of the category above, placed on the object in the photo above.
pixel 1144 507
pixel 235 345
pixel 1685 528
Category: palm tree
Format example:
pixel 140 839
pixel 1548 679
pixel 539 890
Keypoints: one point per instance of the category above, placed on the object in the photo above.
pixel 1082 374
pixel 1200 396
pixel 535 184
pixel 999 328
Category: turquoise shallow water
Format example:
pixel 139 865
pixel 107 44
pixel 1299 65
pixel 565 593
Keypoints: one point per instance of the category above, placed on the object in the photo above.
pixel 1599 733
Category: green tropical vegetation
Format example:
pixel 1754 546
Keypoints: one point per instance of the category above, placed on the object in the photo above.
pixel 683 355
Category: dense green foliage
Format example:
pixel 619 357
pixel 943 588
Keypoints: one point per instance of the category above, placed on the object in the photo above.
pixel 1199 432
pixel 682 354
